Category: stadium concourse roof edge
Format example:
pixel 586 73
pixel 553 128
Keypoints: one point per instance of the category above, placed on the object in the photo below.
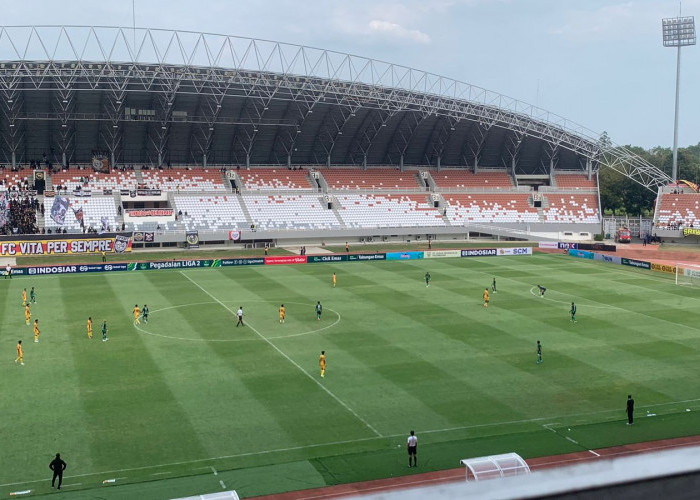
pixel 336 65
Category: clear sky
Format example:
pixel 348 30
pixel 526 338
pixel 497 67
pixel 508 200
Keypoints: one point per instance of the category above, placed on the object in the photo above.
pixel 598 63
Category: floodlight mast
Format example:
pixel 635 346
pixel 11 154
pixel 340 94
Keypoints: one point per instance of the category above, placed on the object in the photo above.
pixel 677 32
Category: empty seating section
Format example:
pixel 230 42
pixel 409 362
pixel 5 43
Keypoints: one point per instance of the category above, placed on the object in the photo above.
pixel 184 180
pixel 96 181
pixel 261 179
pixel 94 209
pixel 378 178
pixel 677 209
pixel 487 208
pixel 292 211
pixel 9 179
pixel 385 210
pixel 210 212
pixel 468 179
pixel 576 208
pixel 568 181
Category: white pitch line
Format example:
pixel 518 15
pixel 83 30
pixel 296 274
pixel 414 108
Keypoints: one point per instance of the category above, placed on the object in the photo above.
pixel 161 473
pixel 223 486
pixel 271 344
pixel 572 440
pixel 596 454
pixel 214 470
pixel 334 443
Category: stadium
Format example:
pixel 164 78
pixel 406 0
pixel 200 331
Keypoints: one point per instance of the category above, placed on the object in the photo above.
pixel 116 139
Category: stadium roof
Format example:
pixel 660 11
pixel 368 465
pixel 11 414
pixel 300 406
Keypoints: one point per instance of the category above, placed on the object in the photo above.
pixel 152 96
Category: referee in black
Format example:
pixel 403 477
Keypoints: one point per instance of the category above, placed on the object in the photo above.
pixel 57 466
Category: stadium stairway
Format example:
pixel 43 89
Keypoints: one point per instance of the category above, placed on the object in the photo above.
pixel 334 205
pixel 139 175
pixel 244 208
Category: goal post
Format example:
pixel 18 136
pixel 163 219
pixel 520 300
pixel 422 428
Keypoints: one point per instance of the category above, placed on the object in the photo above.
pixel 687 274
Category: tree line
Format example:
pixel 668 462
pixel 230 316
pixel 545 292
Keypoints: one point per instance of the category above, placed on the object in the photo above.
pixel 622 196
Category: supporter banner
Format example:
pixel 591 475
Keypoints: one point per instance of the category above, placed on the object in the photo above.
pixel 149 212
pixel 353 257
pixel 404 255
pixel 286 259
pixel 602 247
pixel 82 193
pixel 549 244
pixel 59 209
pixel 441 254
pixel 515 251
pixel 149 237
pixel 125 192
pixel 607 258
pixel 234 235
pixel 636 263
pixel 565 245
pixel 138 236
pixel 23 193
pixel 664 268
pixel 148 192
pixel 243 262
pixel 192 239
pixel 88 268
pixel 327 258
pixel 49 193
pixel 581 254
pixel 66 246
pixel 479 252
pixel 107 192
pixel 691 231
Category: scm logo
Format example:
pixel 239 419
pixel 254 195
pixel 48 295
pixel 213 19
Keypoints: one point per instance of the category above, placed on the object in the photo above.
pixel 108 267
pixel 83 269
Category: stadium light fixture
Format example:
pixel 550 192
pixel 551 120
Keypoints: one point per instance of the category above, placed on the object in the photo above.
pixel 677 32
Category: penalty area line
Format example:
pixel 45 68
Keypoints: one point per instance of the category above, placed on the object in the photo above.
pixel 285 356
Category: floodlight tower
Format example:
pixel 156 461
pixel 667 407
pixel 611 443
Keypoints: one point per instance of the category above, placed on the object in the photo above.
pixel 678 32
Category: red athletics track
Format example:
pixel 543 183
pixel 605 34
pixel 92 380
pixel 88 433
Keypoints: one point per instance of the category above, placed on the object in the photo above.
pixel 456 475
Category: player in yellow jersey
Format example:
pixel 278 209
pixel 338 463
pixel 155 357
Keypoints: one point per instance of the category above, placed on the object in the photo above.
pixel 486 297
pixel 36 330
pixel 282 313
pixel 334 280
pixel 24 297
pixel 89 327
pixel 27 314
pixel 20 353
pixel 322 363
pixel 137 315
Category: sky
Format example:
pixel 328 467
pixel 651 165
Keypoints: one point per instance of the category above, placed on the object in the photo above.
pixel 601 64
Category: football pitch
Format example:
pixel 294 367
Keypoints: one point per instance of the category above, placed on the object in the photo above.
pixel 189 403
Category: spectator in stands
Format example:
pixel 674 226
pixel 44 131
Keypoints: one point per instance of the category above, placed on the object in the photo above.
pixel 347 247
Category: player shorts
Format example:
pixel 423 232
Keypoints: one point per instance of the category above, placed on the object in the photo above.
pixel 412 450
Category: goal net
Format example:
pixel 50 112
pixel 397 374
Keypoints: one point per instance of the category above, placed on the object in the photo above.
pixel 687 274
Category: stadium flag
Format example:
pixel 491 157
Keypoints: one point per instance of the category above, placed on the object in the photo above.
pixel 3 209
pixel 105 225
pixel 79 216
pixel 59 209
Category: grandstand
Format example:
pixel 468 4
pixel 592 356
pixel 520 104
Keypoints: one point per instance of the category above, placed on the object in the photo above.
pixel 384 159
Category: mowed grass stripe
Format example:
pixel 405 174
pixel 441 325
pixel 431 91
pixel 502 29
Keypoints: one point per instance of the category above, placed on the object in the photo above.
pixel 132 415
pixel 308 377
pixel 207 377
pixel 37 395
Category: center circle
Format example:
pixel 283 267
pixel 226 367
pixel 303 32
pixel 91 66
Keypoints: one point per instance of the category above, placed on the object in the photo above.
pixel 230 326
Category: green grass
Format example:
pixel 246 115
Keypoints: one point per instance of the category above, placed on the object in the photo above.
pixel 158 406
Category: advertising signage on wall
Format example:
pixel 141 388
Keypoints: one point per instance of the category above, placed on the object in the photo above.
pixel 480 252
